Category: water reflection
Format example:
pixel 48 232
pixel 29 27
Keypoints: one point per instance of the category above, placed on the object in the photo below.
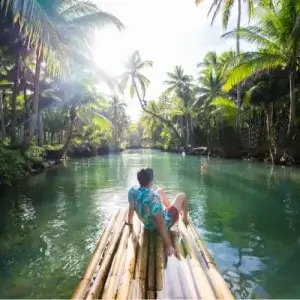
pixel 247 213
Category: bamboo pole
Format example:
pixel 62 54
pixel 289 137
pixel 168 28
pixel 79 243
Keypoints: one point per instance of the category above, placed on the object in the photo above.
pixel 141 265
pixel 223 292
pixel 108 257
pixel 220 286
pixel 150 295
pixel 185 272
pixel 151 266
pixel 160 262
pixel 110 288
pixel 202 282
pixel 124 289
pixel 204 251
pixel 81 289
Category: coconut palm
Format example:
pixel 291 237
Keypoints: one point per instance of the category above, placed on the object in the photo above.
pixel 210 58
pixel 277 36
pixel 82 102
pixel 137 83
pixel 226 7
pixel 59 29
pixel 116 111
pixel 181 85
pixel 152 126
pixel 210 81
pixel 51 24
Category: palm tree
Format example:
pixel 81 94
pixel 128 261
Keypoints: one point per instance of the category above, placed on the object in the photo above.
pixel 211 81
pixel 152 126
pixel 226 6
pixel 138 84
pixel 82 102
pixel 116 111
pixel 181 85
pixel 56 29
pixel 278 39
pixel 210 59
pixel 49 24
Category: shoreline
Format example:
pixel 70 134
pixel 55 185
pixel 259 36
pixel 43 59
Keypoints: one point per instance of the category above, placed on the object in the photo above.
pixel 259 156
pixel 54 158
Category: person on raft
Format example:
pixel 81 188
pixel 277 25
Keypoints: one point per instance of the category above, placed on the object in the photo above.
pixel 154 209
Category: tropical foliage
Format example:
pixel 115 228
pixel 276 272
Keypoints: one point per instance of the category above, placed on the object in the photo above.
pixel 48 83
pixel 240 102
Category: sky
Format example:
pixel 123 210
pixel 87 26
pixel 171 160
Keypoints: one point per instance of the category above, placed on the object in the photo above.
pixel 168 32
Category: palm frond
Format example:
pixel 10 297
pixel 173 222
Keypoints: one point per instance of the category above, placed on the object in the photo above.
pixel 226 12
pixel 99 18
pixel 252 34
pixel 252 62
pixel 70 9
pixel 145 64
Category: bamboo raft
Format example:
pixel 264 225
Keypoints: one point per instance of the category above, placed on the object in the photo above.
pixel 131 264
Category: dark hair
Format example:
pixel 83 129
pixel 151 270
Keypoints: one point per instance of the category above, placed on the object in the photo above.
pixel 145 176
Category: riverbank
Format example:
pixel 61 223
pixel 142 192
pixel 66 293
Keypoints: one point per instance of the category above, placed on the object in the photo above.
pixel 287 157
pixel 15 166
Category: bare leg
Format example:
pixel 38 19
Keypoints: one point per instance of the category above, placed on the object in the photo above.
pixel 181 203
pixel 164 199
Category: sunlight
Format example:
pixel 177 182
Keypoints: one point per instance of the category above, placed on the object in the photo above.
pixel 111 49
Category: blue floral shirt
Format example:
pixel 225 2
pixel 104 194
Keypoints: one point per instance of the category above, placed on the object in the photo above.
pixel 147 203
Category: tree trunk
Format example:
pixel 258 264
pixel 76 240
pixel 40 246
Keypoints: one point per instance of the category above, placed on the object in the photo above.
pixel 181 125
pixel 2 124
pixel 154 114
pixel 26 106
pixel 13 135
pixel 187 129
pixel 33 119
pixel 70 131
pixel 41 129
pixel 192 138
pixel 291 125
pixel 238 26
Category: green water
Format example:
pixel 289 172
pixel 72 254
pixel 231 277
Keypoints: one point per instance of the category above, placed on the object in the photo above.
pixel 248 215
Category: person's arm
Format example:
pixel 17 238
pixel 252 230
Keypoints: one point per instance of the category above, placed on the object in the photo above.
pixel 130 213
pixel 131 207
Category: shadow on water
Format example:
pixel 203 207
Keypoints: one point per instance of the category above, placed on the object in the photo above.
pixel 248 215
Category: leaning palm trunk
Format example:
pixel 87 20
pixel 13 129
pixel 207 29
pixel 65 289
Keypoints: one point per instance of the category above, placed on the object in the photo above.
pixel 33 119
pixel 292 104
pixel 2 124
pixel 238 122
pixel 154 114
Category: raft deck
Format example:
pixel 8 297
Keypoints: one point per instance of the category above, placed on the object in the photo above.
pixel 131 264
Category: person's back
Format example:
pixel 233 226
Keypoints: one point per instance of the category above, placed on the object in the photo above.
pixel 148 206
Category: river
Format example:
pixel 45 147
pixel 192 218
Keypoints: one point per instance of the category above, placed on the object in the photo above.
pixel 248 215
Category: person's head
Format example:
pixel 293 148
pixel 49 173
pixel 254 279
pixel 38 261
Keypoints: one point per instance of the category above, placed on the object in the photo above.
pixel 145 177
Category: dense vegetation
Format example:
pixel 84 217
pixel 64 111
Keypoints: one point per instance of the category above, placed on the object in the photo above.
pixel 241 103
pixel 50 103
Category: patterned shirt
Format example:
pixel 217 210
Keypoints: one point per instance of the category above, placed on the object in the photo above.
pixel 147 204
